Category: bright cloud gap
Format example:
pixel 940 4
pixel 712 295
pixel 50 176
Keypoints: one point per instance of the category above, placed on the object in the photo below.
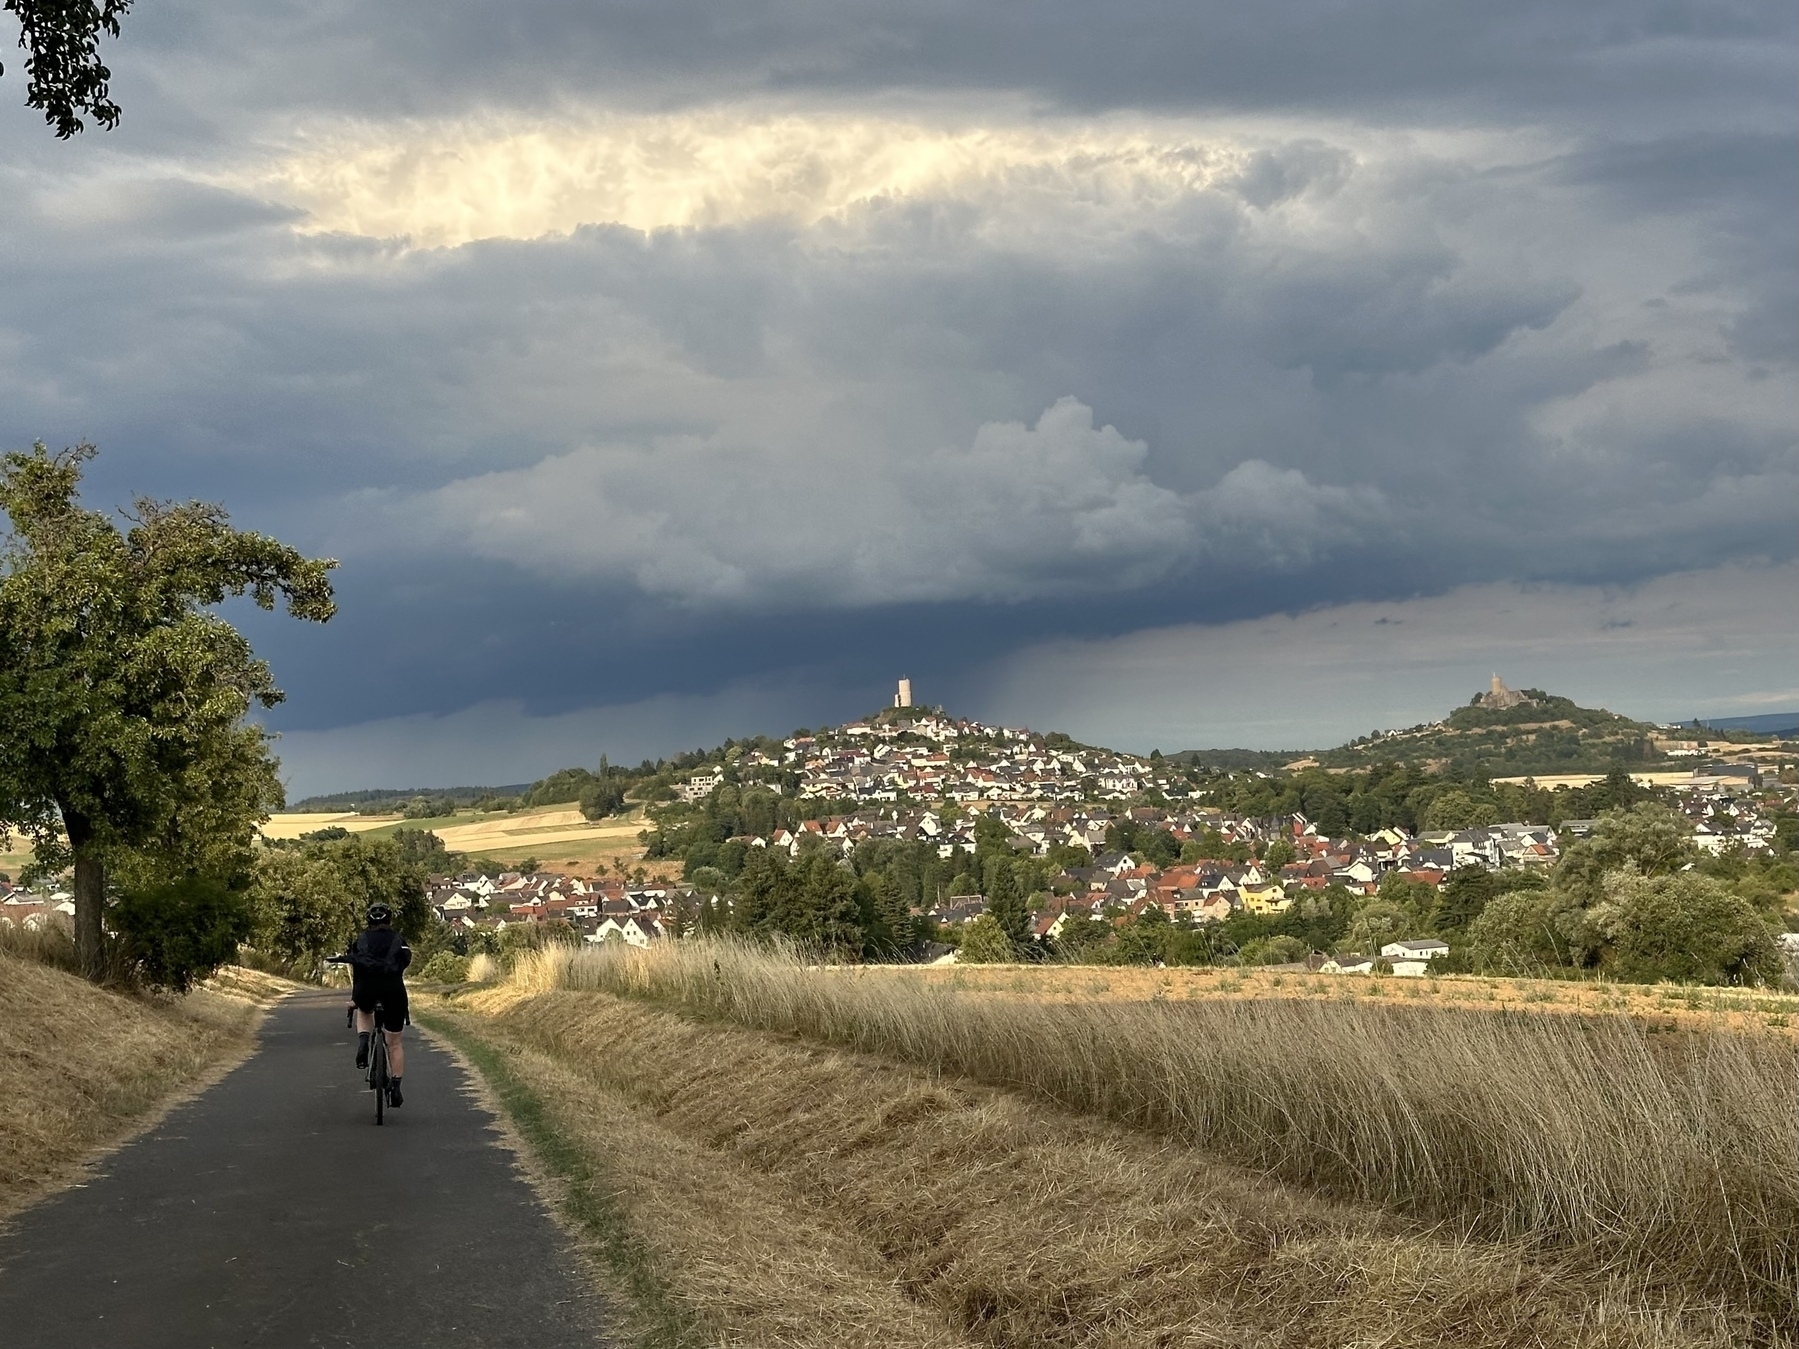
pixel 442 184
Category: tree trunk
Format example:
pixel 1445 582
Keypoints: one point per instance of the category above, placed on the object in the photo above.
pixel 90 900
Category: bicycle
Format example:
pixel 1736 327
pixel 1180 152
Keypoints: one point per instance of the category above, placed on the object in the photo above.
pixel 378 1077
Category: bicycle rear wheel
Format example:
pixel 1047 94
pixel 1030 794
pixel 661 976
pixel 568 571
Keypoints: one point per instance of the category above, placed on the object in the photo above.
pixel 378 1067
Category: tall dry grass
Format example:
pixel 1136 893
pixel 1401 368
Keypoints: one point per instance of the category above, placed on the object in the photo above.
pixel 807 1197
pixel 1673 1157
pixel 48 945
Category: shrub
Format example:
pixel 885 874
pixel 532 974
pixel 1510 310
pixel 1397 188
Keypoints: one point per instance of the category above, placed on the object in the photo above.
pixel 1517 934
pixel 483 968
pixel 180 932
pixel 446 967
pixel 1281 950
pixel 984 942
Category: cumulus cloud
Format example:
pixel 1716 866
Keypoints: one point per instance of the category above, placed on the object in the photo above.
pixel 1059 509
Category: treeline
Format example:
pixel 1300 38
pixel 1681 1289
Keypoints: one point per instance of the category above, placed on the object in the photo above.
pixel 1635 900
pixel 1406 797
pixel 393 800
pixel 874 904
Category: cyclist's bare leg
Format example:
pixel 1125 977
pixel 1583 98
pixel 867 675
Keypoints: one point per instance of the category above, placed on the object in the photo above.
pixel 396 1054
pixel 365 1021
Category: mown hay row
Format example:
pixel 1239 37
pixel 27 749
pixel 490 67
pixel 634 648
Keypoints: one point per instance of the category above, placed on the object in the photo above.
pixel 1574 1133
pixel 1018 1224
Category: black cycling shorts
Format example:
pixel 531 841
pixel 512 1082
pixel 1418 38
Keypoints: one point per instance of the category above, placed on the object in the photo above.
pixel 390 993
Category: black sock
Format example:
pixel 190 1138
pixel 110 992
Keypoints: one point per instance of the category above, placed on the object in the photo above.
pixel 362 1041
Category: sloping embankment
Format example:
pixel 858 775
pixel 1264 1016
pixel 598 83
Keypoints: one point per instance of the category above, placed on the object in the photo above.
pixel 83 1067
pixel 796 1194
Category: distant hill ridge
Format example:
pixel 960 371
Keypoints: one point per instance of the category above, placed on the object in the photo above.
pixel 1499 732
pixel 345 802
pixel 1784 725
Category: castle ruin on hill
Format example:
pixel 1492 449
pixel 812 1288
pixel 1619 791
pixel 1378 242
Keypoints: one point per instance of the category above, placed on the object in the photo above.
pixel 1499 698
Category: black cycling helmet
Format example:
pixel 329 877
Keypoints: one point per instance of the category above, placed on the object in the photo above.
pixel 380 913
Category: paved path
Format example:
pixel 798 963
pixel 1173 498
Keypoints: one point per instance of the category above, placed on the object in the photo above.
pixel 271 1211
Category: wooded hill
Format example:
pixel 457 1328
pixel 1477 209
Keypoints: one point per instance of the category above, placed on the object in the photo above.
pixel 1540 735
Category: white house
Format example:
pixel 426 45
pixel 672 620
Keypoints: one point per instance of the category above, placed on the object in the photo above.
pixel 631 930
pixel 699 785
pixel 1348 964
pixel 1427 949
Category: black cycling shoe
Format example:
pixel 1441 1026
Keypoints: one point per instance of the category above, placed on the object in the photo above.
pixel 362 1051
pixel 394 1099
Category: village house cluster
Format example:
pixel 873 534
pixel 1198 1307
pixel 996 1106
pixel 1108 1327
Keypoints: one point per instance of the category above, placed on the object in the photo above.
pixel 1204 890
pixel 598 909
pixel 931 757
pixel 924 778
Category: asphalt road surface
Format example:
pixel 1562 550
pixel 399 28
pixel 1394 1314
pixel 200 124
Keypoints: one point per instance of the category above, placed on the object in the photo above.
pixel 272 1211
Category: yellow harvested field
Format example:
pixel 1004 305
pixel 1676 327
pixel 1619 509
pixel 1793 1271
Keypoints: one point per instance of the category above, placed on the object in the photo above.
pixel 528 829
pixel 556 834
pixel 294 824
pixel 553 825
pixel 1046 1165
pixel 1550 781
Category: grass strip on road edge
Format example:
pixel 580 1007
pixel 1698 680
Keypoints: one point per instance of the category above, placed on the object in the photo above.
pixel 583 1194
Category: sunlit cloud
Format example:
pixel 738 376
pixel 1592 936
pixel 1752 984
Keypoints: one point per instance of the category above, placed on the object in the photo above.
pixel 445 183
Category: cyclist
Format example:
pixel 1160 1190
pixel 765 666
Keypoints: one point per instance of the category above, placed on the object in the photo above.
pixel 378 959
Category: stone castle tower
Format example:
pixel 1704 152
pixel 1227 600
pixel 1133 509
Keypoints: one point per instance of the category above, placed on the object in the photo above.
pixel 1500 698
pixel 903 698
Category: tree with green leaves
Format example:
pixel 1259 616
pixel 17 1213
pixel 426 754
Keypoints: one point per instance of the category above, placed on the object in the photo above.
pixel 1278 854
pixel 310 901
pixel 888 921
pixel 1519 934
pixel 1685 927
pixel 1378 922
pixel 1006 901
pixel 1650 837
pixel 123 694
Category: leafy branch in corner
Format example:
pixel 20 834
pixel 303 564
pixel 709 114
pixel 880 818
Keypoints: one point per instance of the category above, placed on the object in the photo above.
pixel 67 76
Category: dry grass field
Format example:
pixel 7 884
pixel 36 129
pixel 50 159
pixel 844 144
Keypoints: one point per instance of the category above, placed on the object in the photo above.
pixel 1658 1007
pixel 824 1157
pixel 82 1068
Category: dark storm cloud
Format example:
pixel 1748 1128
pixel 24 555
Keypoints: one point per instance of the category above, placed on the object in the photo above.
pixel 1477 294
pixel 1619 63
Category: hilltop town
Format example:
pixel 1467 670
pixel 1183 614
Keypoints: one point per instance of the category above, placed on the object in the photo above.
pixel 924 801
